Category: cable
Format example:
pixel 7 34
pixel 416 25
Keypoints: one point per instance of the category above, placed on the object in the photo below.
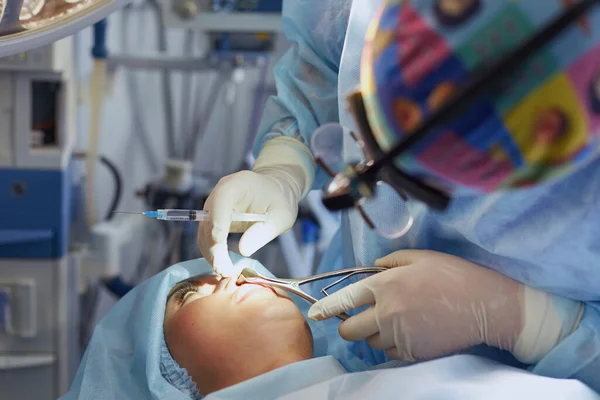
pixel 165 78
pixel 201 123
pixel 228 134
pixel 137 121
pixel 186 88
pixel 197 121
pixel 258 105
pixel 114 204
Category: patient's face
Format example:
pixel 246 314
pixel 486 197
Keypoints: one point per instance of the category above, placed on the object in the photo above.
pixel 224 334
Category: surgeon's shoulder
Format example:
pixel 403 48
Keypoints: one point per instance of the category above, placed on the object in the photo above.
pixel 321 22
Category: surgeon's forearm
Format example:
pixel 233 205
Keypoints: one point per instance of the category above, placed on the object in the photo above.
pixel 547 320
pixel 306 75
pixel 578 355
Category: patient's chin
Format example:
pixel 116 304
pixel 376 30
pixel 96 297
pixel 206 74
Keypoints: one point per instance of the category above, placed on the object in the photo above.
pixel 247 359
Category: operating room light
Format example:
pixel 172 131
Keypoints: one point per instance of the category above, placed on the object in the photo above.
pixel 30 9
pixel 26 24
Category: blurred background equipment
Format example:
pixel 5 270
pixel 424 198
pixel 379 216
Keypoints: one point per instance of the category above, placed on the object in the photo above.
pixel 145 110
pixel 38 275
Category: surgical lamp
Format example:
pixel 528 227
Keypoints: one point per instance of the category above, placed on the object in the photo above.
pixel 27 24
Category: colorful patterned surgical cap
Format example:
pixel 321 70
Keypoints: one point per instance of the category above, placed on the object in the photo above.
pixel 543 123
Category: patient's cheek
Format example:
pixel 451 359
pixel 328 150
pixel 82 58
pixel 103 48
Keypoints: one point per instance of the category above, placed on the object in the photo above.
pixel 205 329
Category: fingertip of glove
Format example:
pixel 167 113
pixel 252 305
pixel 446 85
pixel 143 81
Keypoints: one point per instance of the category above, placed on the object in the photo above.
pixel 256 237
pixel 222 263
pixel 315 314
pixel 247 249
pixel 386 261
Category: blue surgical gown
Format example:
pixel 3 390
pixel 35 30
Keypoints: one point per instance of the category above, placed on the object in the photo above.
pixel 547 237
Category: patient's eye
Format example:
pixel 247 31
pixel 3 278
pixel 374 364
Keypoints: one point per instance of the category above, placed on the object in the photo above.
pixel 183 292
pixel 188 289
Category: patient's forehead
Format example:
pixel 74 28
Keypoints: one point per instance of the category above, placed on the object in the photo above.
pixel 197 280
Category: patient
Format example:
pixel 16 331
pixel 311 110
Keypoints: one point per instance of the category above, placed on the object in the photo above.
pixel 253 342
pixel 223 334
pixel 185 331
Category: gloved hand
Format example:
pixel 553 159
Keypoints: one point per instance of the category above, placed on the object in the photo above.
pixel 431 304
pixel 282 175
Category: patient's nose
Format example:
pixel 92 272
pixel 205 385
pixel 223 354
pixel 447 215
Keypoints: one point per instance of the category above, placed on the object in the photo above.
pixel 226 284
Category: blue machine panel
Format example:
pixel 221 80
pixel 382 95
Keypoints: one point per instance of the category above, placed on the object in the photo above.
pixel 34 213
pixel 260 6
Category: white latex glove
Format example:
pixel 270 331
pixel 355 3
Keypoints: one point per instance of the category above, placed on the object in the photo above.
pixel 282 175
pixel 431 304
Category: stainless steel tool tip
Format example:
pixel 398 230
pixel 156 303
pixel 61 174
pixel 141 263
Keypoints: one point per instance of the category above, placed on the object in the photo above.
pixel 246 273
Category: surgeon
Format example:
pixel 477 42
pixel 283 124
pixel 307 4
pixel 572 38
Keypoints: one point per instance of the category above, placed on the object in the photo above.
pixel 513 261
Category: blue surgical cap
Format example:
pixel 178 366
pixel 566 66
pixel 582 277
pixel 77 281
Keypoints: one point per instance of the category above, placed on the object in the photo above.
pixel 176 375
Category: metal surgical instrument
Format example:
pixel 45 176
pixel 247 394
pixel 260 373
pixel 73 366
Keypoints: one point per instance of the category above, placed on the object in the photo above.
pixel 293 285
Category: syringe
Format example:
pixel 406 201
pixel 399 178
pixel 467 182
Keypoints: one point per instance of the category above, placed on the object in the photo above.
pixel 200 215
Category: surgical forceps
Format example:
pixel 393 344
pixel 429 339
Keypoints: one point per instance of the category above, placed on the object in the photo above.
pixel 293 285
